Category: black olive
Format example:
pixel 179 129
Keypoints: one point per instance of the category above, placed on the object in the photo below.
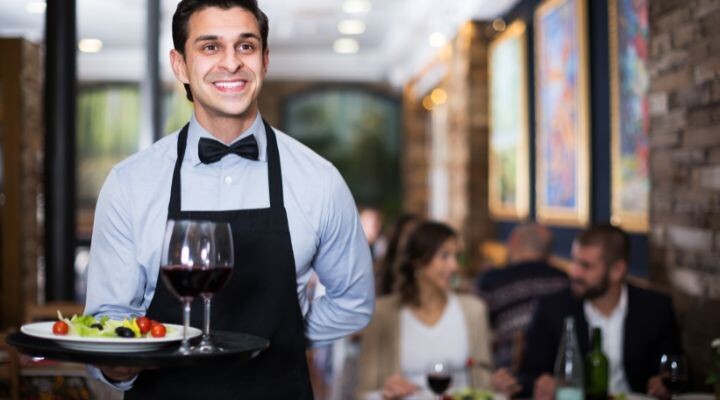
pixel 97 326
pixel 124 332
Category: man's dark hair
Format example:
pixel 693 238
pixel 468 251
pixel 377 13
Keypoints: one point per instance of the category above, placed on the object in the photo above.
pixel 186 8
pixel 614 241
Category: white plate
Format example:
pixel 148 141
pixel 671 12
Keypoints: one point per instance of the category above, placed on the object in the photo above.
pixel 109 345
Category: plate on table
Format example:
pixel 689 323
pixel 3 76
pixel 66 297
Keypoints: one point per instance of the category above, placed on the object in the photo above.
pixel 43 330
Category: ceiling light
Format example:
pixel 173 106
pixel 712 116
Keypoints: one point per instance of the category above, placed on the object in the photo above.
pixel 90 45
pixel 437 39
pixel 346 46
pixel 357 6
pixel 351 27
pixel 36 7
pixel 438 96
pixel 499 24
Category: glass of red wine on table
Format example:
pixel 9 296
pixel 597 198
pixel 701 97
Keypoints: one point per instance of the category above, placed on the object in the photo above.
pixel 197 259
pixel 673 373
pixel 439 377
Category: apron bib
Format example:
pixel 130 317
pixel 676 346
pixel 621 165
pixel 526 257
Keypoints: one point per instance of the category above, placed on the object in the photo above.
pixel 260 298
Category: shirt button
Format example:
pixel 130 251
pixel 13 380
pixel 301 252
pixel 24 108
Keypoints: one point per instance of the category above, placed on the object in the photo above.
pixel 228 180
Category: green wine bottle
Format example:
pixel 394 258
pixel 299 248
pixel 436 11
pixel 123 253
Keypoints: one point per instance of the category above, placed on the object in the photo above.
pixel 596 369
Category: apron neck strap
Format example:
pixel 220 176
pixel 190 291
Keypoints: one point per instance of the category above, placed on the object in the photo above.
pixel 274 171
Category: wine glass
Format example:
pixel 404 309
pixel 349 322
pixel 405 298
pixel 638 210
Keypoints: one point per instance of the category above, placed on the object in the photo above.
pixel 439 377
pixel 188 252
pixel 220 271
pixel 673 373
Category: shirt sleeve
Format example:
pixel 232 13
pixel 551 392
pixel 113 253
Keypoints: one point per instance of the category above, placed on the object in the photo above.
pixel 116 281
pixel 344 267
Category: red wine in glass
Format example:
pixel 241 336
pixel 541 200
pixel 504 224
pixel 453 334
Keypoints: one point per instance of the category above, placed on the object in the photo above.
pixel 673 373
pixel 218 277
pixel 439 377
pixel 220 270
pixel 439 383
pixel 192 251
pixel 184 281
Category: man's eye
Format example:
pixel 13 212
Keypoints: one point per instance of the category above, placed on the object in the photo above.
pixel 246 47
pixel 210 47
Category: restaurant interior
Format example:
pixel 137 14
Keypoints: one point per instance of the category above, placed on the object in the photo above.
pixel 482 114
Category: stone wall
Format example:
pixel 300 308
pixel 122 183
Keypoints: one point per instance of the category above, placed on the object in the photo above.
pixel 685 165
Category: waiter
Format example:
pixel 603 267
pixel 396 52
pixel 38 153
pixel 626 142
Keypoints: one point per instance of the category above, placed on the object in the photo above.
pixel 290 211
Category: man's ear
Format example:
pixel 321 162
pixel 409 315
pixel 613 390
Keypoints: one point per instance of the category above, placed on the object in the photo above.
pixel 618 270
pixel 266 60
pixel 177 61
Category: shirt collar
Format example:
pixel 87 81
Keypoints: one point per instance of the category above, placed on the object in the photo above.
pixel 196 131
pixel 621 309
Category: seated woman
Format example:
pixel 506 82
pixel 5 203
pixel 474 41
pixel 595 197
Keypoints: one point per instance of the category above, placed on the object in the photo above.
pixel 424 321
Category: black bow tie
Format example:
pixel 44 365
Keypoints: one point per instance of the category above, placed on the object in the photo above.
pixel 211 151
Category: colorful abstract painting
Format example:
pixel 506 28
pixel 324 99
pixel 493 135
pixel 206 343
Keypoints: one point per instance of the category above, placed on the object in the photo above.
pixel 508 169
pixel 561 111
pixel 630 113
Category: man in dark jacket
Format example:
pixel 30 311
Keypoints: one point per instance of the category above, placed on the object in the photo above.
pixel 638 325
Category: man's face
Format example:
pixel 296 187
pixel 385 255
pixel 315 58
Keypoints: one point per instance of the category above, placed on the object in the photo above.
pixel 224 63
pixel 589 276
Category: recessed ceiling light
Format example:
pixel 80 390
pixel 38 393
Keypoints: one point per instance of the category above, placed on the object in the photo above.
pixel 90 45
pixel 357 6
pixel 351 27
pixel 499 24
pixel 437 39
pixel 36 7
pixel 346 46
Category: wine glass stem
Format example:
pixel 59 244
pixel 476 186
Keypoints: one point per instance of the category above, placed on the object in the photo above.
pixel 185 345
pixel 206 317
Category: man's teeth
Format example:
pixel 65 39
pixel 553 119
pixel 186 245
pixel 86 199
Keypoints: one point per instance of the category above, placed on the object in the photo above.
pixel 229 85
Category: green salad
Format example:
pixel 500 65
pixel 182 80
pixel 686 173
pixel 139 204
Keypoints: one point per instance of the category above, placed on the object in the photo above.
pixel 472 394
pixel 104 327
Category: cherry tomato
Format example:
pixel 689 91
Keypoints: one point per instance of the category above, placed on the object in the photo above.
pixel 143 324
pixel 158 330
pixel 60 328
pixel 153 323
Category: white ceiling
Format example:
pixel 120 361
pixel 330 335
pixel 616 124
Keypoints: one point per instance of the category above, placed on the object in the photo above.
pixel 394 46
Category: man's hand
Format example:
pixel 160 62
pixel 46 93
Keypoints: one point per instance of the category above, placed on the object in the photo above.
pixel 656 388
pixel 544 388
pixel 504 382
pixel 119 374
pixel 397 386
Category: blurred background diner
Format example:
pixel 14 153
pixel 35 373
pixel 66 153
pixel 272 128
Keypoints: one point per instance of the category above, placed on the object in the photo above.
pixel 513 125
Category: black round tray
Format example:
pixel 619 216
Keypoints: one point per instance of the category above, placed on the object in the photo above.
pixel 238 347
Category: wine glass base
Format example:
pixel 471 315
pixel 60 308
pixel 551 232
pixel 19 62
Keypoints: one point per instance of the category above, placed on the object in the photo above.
pixel 207 347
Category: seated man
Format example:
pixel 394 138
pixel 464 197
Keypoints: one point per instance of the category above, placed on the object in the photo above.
pixel 512 292
pixel 638 325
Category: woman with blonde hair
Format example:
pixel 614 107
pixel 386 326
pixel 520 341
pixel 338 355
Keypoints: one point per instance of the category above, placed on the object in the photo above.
pixel 425 321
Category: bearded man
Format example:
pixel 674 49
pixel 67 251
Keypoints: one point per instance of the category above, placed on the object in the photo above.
pixel 638 325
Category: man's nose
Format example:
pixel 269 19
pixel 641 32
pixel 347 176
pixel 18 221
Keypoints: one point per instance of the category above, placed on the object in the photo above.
pixel 231 60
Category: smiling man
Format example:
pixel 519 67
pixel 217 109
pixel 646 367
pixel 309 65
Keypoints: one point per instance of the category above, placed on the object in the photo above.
pixel 638 325
pixel 290 211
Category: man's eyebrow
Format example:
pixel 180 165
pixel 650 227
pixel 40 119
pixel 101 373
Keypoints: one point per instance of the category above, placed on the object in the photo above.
pixel 246 35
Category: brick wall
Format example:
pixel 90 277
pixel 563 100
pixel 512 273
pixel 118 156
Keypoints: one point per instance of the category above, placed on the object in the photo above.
pixel 21 143
pixel 464 62
pixel 685 165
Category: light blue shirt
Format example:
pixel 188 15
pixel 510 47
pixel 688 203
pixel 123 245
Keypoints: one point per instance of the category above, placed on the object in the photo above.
pixel 325 230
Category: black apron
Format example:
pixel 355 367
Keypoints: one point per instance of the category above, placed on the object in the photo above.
pixel 260 298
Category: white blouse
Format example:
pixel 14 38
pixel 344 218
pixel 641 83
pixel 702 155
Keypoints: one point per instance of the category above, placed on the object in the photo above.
pixel 447 341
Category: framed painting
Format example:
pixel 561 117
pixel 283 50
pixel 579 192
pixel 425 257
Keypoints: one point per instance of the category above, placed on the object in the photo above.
pixel 562 192
pixel 509 168
pixel 629 80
